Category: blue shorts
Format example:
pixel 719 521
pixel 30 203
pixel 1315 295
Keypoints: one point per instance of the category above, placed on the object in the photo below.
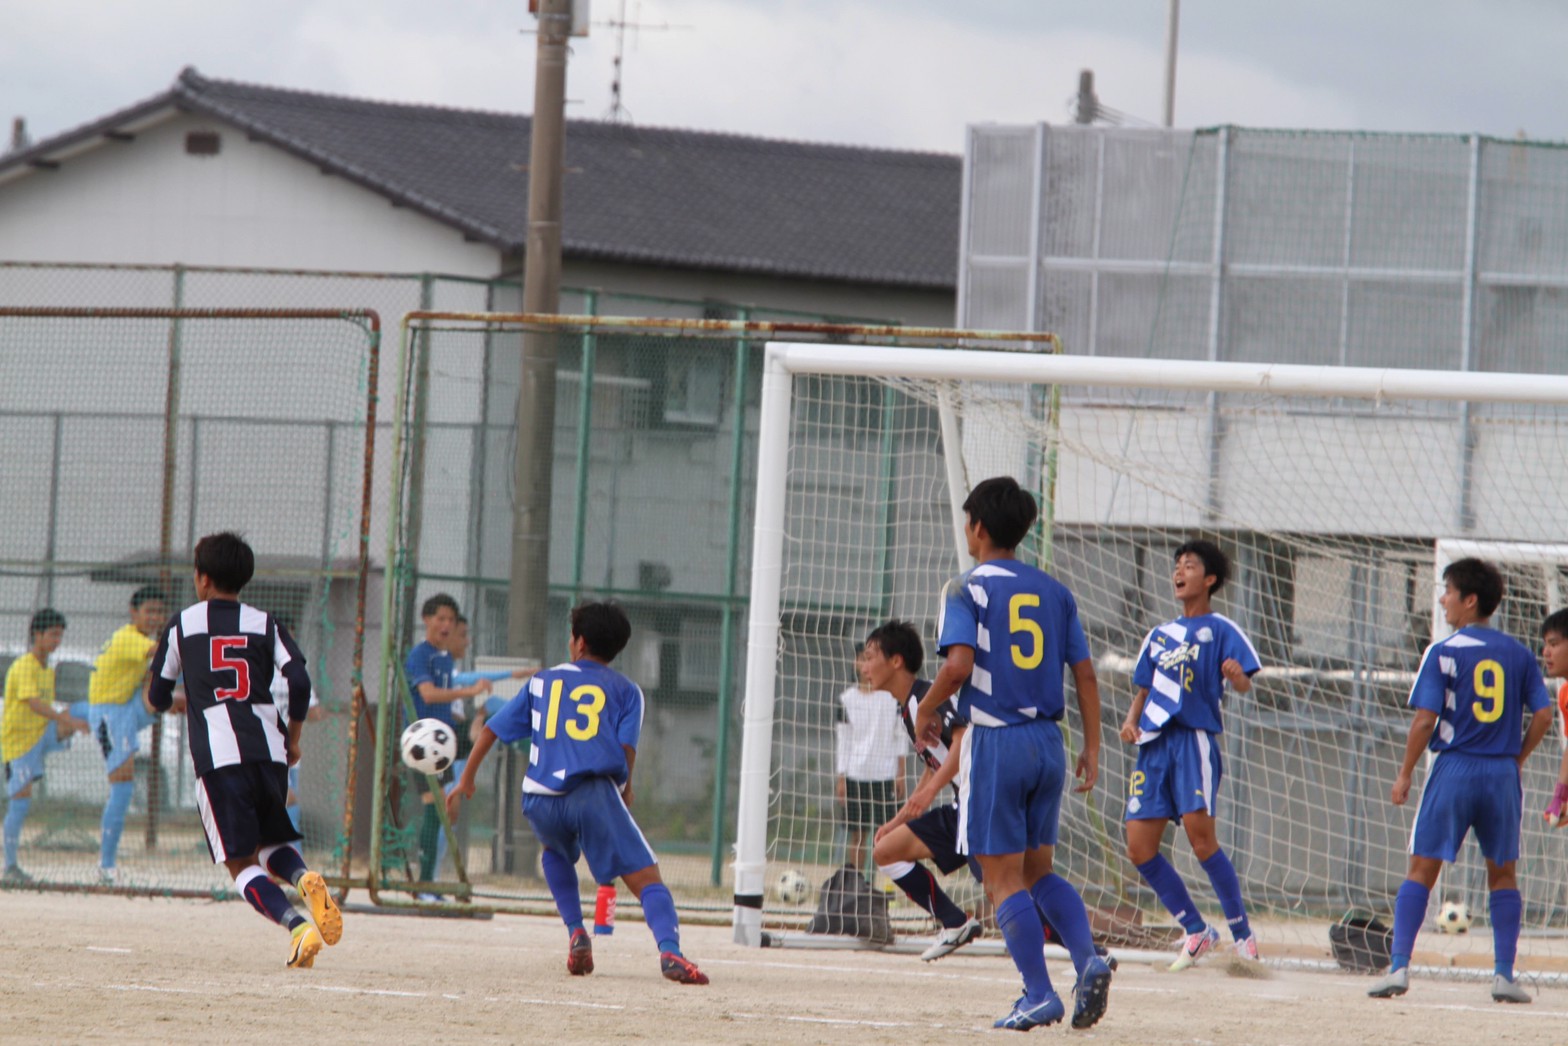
pixel 591 821
pixel 1464 792
pixel 1011 787
pixel 116 728
pixel 29 766
pixel 1178 773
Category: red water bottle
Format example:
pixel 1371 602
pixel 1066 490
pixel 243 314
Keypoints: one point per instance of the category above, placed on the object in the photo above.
pixel 604 910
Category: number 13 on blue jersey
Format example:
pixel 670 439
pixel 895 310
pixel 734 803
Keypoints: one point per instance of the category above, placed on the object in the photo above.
pixel 583 724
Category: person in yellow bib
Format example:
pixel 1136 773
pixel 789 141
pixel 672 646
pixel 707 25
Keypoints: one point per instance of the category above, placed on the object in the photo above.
pixel 31 728
pixel 116 713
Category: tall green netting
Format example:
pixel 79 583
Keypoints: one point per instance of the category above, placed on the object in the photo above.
pixel 127 434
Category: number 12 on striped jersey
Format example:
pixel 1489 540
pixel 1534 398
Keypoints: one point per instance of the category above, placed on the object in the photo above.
pixel 583 724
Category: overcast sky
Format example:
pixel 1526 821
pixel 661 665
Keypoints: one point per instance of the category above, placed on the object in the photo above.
pixel 901 73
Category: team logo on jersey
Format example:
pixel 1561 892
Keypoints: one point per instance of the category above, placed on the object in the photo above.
pixel 1134 805
pixel 1170 659
pixel 1205 634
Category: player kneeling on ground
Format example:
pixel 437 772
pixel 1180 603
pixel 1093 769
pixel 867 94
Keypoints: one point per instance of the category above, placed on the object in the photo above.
pixel 584 720
pixel 228 652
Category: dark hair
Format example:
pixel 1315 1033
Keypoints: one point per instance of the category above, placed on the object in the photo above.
pixel 461 619
pixel 603 626
pixel 899 639
pixel 1478 578
pixel 1556 623
pixel 435 603
pixel 1215 563
pixel 1005 509
pixel 44 620
pixel 226 560
pixel 147 594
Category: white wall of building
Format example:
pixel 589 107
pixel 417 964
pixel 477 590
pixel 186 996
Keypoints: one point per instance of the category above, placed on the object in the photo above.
pixel 148 201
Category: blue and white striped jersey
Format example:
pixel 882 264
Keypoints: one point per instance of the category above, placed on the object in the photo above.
pixel 1480 682
pixel 1180 664
pixel 577 716
pixel 1023 626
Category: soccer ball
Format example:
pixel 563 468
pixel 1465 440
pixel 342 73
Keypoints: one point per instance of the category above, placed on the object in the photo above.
pixel 791 888
pixel 1454 917
pixel 429 746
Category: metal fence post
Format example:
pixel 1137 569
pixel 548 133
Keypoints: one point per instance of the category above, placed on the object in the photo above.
pixel 171 463
pixel 584 430
pixel 721 755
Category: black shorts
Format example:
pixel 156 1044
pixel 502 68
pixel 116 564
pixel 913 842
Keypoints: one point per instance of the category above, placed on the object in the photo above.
pixel 243 808
pixel 870 803
pixel 937 828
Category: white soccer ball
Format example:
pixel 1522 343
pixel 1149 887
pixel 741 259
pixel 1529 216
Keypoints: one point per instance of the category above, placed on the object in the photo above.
pixel 1454 917
pixel 792 888
pixel 429 746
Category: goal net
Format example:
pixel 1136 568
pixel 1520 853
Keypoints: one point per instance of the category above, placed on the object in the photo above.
pixel 1335 492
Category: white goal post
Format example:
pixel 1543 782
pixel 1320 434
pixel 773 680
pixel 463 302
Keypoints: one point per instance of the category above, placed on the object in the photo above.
pixel 1353 396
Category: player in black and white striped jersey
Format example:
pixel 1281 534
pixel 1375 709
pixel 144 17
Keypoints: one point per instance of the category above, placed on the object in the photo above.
pixel 891 658
pixel 228 652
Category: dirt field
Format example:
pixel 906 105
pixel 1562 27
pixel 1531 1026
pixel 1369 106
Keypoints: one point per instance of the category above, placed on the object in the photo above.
pixel 95 969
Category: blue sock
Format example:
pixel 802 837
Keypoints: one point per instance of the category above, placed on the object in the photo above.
pixel 1409 914
pixel 1019 921
pixel 658 909
pixel 114 821
pixel 284 861
pixel 1222 876
pixel 561 877
pixel 920 886
pixel 1505 908
pixel 1172 892
pixel 15 814
pixel 1061 906
pixel 264 896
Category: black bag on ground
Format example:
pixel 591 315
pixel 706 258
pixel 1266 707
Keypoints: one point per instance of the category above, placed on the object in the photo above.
pixel 848 905
pixel 1361 942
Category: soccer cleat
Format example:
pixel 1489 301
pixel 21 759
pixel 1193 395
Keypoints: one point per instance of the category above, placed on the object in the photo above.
pixel 108 877
pixel 579 954
pixel 1105 953
pixel 951 939
pixel 1092 993
pixel 1505 990
pixel 304 943
pixel 1396 982
pixel 1247 947
pixel 14 876
pixel 1195 947
pixel 1024 1016
pixel 680 969
pixel 323 909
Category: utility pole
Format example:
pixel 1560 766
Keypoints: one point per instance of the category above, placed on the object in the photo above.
pixel 529 592
pixel 532 467
pixel 1088 107
pixel 1172 21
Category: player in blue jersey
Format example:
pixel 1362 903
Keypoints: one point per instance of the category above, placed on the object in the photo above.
pixel 1008 632
pixel 584 720
pixel 1181 675
pixel 1471 695
pixel 428 669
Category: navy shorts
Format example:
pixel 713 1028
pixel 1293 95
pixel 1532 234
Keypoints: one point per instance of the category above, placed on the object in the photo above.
pixel 869 804
pixel 590 821
pixel 1178 773
pixel 243 808
pixel 1465 792
pixel 937 829
pixel 1011 780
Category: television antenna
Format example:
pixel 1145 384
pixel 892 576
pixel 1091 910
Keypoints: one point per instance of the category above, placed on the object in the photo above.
pixel 618 112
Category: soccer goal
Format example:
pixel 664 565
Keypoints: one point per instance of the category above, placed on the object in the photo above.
pixel 1328 487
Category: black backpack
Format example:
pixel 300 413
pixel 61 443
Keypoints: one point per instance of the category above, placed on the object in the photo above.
pixel 1361 942
pixel 848 905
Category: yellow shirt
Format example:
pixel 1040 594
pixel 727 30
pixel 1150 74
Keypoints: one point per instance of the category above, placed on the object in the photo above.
pixel 120 668
pixel 22 727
